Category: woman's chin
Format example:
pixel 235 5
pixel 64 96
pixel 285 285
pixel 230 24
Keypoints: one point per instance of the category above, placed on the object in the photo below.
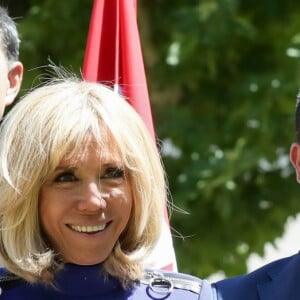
pixel 84 262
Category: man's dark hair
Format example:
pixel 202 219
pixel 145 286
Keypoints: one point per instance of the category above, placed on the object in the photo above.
pixel 9 38
pixel 297 118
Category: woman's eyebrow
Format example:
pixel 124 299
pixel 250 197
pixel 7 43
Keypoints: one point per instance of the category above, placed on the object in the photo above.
pixel 64 167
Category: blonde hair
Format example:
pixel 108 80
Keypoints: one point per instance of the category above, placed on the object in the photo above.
pixel 34 137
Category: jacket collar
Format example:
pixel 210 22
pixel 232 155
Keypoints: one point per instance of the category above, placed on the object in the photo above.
pixel 82 281
pixel 284 281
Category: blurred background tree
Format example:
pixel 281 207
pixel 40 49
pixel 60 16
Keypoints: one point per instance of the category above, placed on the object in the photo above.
pixel 223 76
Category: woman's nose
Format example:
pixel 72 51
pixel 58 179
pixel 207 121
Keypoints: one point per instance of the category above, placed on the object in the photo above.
pixel 92 199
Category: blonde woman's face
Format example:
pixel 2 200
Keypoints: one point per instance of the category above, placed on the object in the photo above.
pixel 84 205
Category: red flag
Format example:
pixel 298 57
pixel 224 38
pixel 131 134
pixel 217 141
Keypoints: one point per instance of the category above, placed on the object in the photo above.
pixel 113 56
pixel 113 53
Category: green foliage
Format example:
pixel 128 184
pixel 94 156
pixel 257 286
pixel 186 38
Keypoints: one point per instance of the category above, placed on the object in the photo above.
pixel 223 75
pixel 233 66
pixel 53 31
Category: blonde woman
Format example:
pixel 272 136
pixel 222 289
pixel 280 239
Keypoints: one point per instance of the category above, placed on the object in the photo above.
pixel 82 190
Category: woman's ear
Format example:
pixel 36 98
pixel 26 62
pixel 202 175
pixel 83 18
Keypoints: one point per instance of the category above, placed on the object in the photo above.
pixel 295 159
pixel 15 76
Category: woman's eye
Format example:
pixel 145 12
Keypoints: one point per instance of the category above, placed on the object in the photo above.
pixel 67 176
pixel 113 173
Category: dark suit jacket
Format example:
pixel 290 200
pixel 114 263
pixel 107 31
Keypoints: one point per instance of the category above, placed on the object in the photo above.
pixel 279 280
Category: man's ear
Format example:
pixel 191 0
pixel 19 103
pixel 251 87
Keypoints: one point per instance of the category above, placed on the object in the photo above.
pixel 15 76
pixel 295 159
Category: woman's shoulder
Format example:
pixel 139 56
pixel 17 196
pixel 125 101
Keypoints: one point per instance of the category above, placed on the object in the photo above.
pixel 8 280
pixel 172 286
pixel 154 285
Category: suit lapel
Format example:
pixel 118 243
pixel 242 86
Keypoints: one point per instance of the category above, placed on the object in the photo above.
pixel 284 281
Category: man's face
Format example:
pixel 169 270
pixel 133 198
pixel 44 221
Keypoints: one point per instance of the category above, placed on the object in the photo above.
pixel 11 75
pixel 4 81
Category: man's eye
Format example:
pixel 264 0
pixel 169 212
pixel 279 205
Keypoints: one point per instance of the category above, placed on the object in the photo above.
pixel 67 176
pixel 113 173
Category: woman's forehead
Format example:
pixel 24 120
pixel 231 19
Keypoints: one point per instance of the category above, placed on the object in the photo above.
pixel 105 151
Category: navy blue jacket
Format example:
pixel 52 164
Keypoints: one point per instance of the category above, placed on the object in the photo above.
pixel 279 280
pixel 87 283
